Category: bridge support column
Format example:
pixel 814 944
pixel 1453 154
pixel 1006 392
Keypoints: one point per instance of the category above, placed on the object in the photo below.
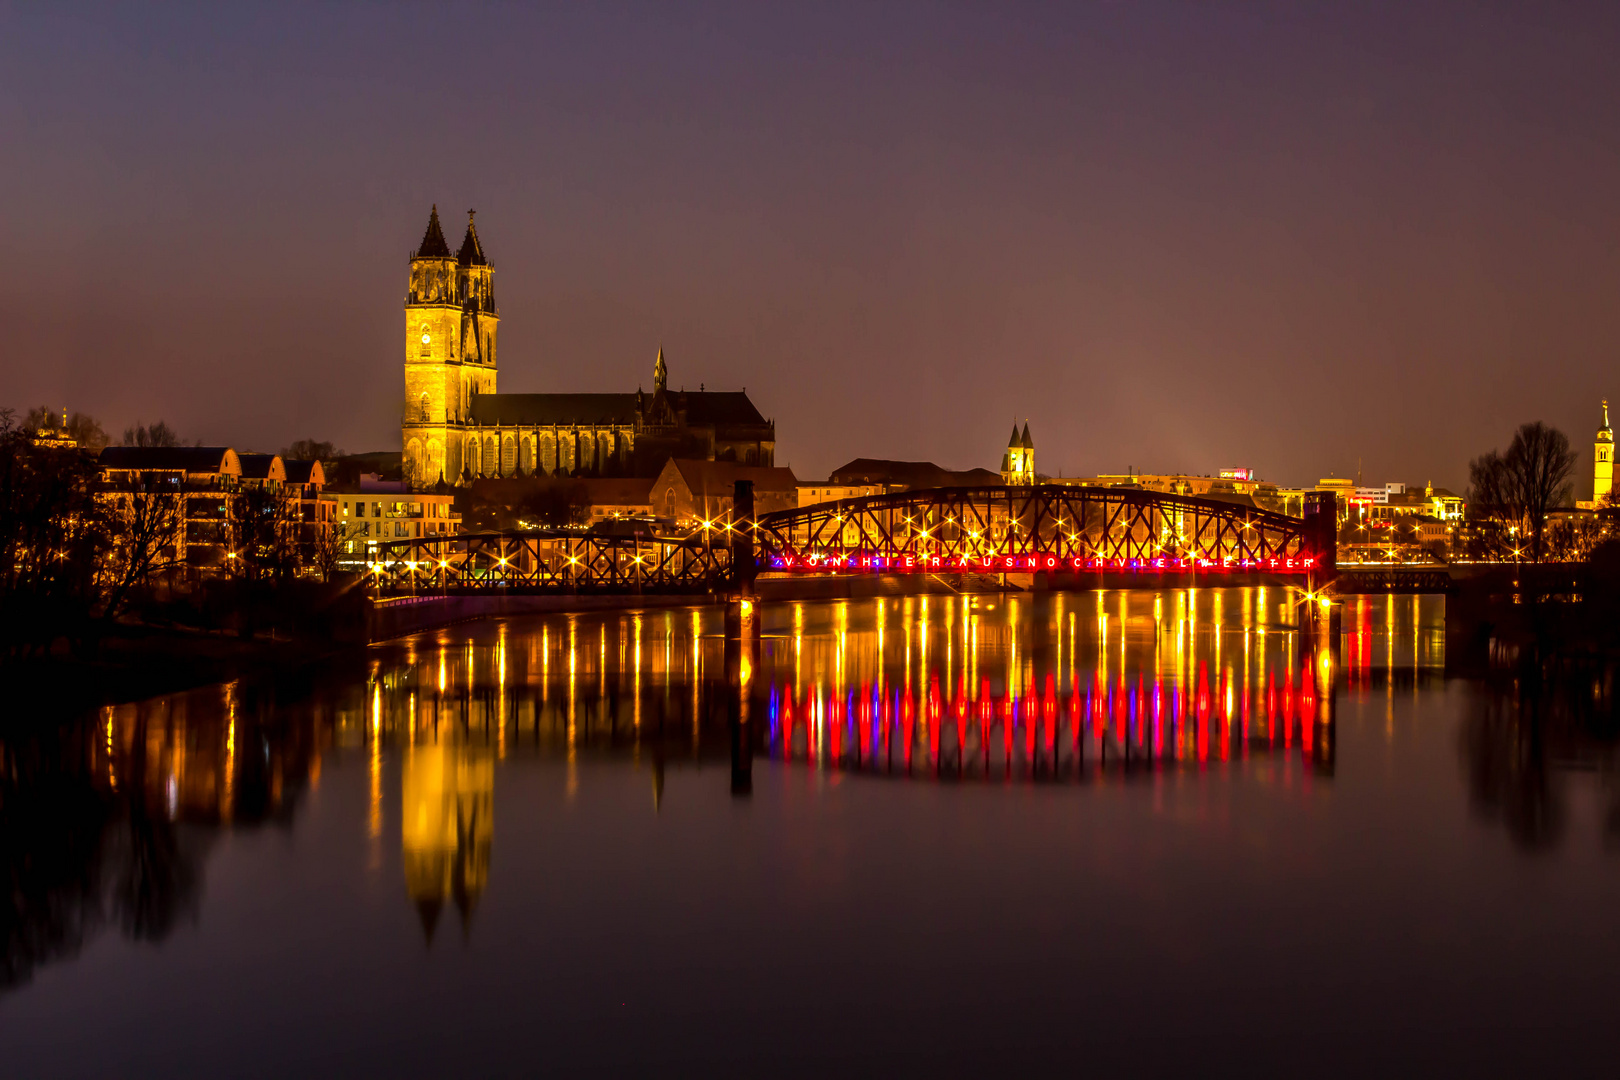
pixel 743 566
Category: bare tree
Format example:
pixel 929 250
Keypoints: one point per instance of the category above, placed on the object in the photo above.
pixel 158 434
pixel 330 544
pixel 145 529
pixel 53 536
pixel 264 535
pixel 312 450
pixel 1514 490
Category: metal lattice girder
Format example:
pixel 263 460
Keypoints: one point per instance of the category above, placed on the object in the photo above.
pixel 548 561
pixel 1066 522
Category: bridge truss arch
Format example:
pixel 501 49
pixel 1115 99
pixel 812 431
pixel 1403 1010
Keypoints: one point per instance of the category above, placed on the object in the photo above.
pixel 549 561
pixel 1044 527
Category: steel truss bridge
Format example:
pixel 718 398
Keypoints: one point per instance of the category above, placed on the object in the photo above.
pixel 549 561
pixel 1049 529
pixel 1046 528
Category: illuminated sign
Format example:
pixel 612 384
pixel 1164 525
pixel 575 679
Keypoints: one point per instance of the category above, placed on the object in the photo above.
pixel 862 563
pixel 1237 474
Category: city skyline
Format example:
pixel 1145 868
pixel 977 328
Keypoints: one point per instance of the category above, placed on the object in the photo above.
pixel 1276 240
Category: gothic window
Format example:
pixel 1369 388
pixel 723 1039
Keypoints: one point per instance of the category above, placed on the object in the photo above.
pixel 508 456
pixel 528 454
pixel 491 462
pixel 472 456
pixel 548 453
pixel 435 462
pixel 413 461
pixel 425 339
pixel 424 411
pixel 669 503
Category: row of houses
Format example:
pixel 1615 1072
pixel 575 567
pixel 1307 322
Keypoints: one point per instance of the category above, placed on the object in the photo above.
pixel 207 483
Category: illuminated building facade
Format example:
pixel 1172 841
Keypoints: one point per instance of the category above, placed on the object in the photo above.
pixel 457 428
pixel 1603 460
pixel 1243 490
pixel 689 492
pixel 204 479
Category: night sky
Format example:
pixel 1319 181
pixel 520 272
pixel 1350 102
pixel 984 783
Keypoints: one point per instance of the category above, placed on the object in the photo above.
pixel 1173 236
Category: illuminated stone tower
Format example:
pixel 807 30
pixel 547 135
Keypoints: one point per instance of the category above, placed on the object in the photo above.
pixel 1603 460
pixel 1018 464
pixel 450 331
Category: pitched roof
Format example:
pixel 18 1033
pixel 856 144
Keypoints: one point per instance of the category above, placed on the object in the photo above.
pixel 913 474
pixel 719 478
pixel 304 472
pixel 1012 440
pixel 191 459
pixel 554 408
pixel 472 252
pixel 619 491
pixel 1027 443
pixel 262 467
pixel 433 245
pixel 716 407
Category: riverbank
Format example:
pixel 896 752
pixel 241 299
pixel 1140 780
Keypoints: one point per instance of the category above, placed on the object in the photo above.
pixel 132 662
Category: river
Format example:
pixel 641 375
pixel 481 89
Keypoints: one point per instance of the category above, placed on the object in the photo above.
pixel 1131 831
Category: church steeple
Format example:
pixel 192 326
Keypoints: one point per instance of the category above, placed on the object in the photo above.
pixel 1603 460
pixel 660 373
pixel 433 245
pixel 1018 464
pixel 471 253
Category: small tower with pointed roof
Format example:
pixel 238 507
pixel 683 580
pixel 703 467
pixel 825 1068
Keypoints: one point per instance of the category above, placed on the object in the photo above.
pixel 1603 460
pixel 1018 463
pixel 660 373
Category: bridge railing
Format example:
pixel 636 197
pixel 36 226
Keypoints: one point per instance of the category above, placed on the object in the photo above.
pixel 547 561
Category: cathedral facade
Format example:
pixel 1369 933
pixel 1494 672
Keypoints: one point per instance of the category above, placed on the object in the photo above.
pixel 458 428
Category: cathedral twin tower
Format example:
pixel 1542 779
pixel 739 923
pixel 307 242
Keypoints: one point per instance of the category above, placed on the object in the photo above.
pixel 456 427
pixel 450 330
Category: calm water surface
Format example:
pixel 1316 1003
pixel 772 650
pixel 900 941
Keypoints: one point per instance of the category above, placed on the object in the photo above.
pixel 1137 832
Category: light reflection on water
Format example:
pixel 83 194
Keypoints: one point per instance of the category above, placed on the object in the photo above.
pixel 434 747
pixel 1056 687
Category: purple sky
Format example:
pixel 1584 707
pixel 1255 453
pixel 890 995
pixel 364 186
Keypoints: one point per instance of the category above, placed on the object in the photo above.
pixel 1172 236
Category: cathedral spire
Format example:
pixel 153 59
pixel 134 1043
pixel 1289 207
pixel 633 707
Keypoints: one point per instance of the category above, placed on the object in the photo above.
pixel 433 245
pixel 660 373
pixel 472 252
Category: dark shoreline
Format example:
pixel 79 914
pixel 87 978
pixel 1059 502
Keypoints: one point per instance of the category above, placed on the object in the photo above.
pixel 138 662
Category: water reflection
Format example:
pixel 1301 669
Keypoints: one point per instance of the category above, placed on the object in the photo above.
pixel 1050 687
pixel 1526 746
pixel 447 827
pixel 108 823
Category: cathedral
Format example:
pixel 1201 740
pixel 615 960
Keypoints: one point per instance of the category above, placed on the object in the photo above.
pixel 457 428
